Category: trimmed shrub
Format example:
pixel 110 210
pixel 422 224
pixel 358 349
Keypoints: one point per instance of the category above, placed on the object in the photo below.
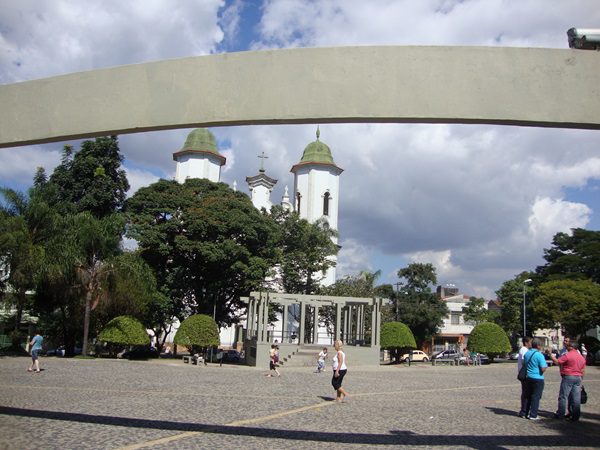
pixel 489 338
pixel 124 330
pixel 197 331
pixel 397 336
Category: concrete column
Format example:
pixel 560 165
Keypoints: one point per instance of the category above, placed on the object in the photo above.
pixel 259 326
pixel 284 328
pixel 301 323
pixel 338 321
pixel 250 316
pixel 316 324
pixel 266 318
pixel 378 319
pixel 359 322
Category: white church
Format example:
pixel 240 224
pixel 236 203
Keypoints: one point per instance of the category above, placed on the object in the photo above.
pixel 315 194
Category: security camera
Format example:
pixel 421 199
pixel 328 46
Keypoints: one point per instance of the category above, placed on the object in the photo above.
pixel 584 38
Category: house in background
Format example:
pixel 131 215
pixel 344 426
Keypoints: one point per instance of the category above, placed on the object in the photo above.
pixel 454 333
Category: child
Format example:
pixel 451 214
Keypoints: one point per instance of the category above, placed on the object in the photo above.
pixel 321 357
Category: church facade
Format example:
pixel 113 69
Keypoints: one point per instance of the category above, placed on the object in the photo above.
pixel 315 195
pixel 316 180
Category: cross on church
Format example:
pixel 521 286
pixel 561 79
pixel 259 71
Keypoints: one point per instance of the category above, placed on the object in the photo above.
pixel 262 160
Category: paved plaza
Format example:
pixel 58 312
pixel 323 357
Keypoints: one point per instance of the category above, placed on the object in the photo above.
pixel 165 404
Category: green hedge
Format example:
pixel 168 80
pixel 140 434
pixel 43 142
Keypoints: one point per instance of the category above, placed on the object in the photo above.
pixel 124 330
pixel 490 339
pixel 397 335
pixel 197 331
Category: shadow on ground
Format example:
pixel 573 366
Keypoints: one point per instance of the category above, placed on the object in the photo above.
pixel 582 434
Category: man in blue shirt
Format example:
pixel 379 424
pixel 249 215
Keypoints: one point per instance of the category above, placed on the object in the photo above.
pixel 36 348
pixel 536 366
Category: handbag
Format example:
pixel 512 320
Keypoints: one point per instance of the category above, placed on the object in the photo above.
pixel 522 375
pixel 583 396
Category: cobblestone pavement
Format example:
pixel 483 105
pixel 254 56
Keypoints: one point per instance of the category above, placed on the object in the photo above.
pixel 112 404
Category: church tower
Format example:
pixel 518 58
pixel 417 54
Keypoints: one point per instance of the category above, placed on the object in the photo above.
pixel 316 189
pixel 261 186
pixel 199 157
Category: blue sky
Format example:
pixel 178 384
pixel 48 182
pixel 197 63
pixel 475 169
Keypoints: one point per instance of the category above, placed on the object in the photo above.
pixel 479 202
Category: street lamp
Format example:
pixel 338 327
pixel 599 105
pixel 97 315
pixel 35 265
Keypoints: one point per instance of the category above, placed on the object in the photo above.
pixel 525 283
pixel 397 298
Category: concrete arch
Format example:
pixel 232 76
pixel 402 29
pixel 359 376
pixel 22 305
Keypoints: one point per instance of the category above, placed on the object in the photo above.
pixel 491 85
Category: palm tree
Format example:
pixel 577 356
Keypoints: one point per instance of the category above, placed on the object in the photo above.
pixel 26 223
pixel 83 253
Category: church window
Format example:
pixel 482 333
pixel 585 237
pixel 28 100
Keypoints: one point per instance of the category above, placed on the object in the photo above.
pixel 326 199
pixel 298 196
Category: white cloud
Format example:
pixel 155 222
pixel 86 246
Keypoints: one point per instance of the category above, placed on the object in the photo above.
pixel 18 166
pixel 550 216
pixel 481 202
pixel 138 179
pixel 353 258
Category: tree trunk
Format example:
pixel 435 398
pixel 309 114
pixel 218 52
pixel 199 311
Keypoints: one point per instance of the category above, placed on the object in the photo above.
pixel 86 321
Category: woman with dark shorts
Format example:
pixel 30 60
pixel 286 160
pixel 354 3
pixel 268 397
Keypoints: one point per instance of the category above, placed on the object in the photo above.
pixel 339 371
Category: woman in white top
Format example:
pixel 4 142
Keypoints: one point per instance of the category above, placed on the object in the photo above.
pixel 339 371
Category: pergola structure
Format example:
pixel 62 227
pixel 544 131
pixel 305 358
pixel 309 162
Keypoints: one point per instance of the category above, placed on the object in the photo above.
pixel 350 324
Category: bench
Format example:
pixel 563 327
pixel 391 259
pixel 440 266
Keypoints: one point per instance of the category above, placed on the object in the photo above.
pixel 452 362
pixel 192 360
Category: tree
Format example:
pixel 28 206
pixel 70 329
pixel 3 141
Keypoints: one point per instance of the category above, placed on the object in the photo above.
pixel 197 332
pixel 86 189
pixel 510 295
pixel 206 243
pixel 419 308
pixel 78 263
pixel 88 180
pixel 361 285
pixel 397 337
pixel 574 257
pixel 131 290
pixel 304 251
pixel 26 223
pixel 476 311
pixel 572 304
pixel 124 330
pixel 490 339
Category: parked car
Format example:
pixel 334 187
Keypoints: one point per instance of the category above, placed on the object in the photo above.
pixel 140 352
pixel 60 351
pixel 417 355
pixel 483 359
pixel 514 356
pixel 448 354
pixel 232 356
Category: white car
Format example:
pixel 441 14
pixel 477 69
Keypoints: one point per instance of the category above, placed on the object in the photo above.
pixel 417 355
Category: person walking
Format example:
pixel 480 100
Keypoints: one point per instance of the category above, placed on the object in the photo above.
pixel 36 348
pixel 273 360
pixel 524 349
pixel 572 369
pixel 536 366
pixel 339 371
pixel 321 357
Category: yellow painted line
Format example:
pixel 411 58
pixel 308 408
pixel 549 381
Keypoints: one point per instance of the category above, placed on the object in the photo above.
pixel 256 420
pixel 165 440
pixel 281 414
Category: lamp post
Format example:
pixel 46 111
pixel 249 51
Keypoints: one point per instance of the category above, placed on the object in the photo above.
pixel 397 298
pixel 525 283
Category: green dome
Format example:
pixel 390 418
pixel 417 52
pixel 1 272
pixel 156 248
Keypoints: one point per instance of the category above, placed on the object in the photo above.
pixel 200 139
pixel 317 152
